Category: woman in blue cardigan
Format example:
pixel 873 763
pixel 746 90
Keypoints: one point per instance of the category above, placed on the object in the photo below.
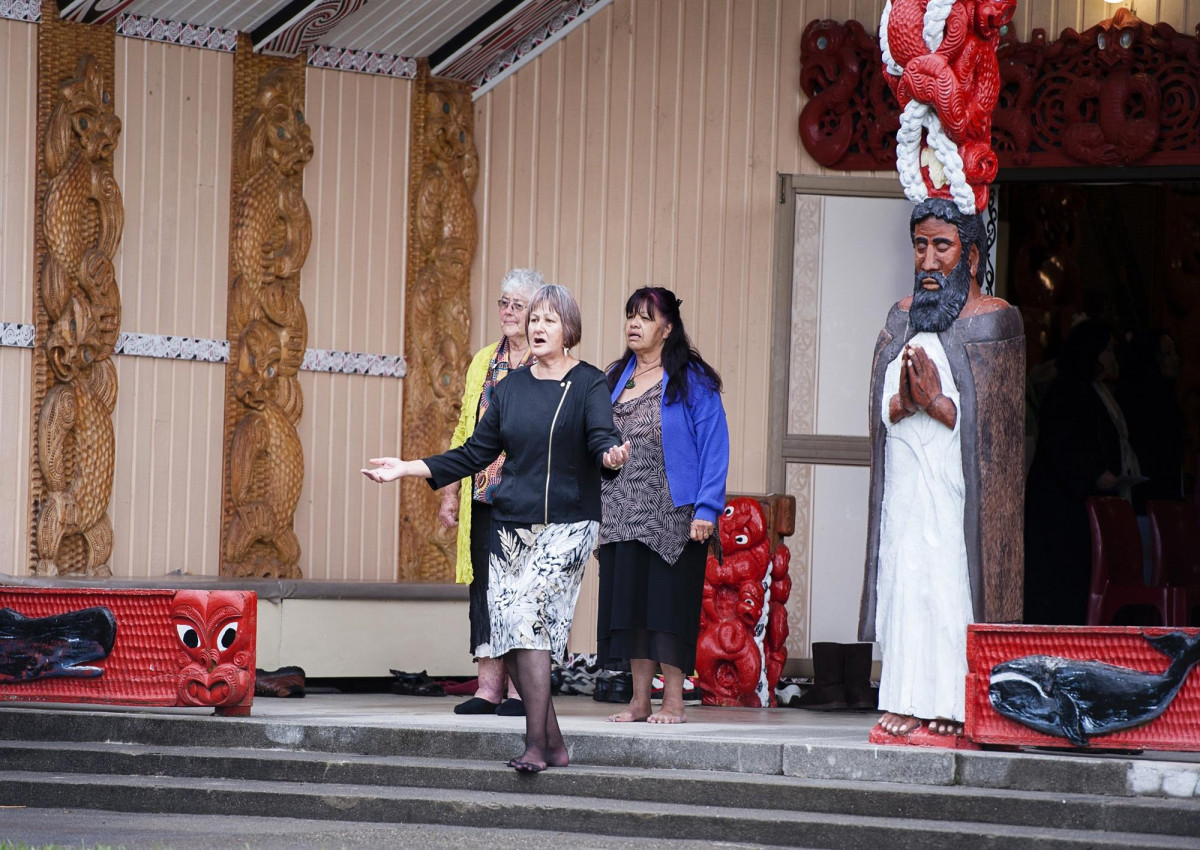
pixel 661 511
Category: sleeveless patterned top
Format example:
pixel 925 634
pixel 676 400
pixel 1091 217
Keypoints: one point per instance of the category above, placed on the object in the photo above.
pixel 637 503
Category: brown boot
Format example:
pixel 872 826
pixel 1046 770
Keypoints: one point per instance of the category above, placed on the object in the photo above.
pixel 284 682
pixel 827 692
pixel 856 676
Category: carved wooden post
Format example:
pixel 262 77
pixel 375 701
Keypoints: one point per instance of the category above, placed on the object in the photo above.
pixel 77 308
pixel 441 237
pixel 270 233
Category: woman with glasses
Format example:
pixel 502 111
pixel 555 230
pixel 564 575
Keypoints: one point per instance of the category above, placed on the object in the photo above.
pixel 470 507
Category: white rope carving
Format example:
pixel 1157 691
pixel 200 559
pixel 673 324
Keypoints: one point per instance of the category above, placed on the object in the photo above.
pixel 920 119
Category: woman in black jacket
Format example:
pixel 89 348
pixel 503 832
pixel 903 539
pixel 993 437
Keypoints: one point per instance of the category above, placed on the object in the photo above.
pixel 554 423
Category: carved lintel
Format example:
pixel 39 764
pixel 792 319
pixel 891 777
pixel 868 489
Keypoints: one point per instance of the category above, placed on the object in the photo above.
pixel 442 242
pixel 270 234
pixel 77 307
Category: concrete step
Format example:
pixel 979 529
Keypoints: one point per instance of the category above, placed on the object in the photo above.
pixel 1152 816
pixel 586 815
pixel 1076 773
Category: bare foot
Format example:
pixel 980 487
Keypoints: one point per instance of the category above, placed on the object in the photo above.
pixel 668 715
pixel 629 715
pixel 898 724
pixel 942 726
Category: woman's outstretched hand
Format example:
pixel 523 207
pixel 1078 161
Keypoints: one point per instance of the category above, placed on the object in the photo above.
pixel 615 457
pixel 387 469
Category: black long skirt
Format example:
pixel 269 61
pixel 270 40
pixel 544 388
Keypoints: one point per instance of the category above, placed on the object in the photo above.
pixel 481 624
pixel 648 608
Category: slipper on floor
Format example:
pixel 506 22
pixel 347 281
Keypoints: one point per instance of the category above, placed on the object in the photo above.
pixel 511 708
pixel 476 705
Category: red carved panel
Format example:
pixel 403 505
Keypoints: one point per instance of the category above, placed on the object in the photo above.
pixel 741 648
pixel 1124 92
pixel 150 662
pixel 1177 728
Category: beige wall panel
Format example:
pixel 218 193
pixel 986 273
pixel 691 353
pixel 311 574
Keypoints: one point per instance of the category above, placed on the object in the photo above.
pixel 352 287
pixel 348 527
pixel 16 365
pixel 18 127
pixel 172 164
pixel 166 487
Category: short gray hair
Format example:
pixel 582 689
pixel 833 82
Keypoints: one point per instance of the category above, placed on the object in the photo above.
pixel 521 282
pixel 561 301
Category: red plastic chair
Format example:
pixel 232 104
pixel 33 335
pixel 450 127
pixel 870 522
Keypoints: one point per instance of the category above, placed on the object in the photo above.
pixel 1117 565
pixel 1175 538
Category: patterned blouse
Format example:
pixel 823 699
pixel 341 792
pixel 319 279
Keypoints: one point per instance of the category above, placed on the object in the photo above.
pixel 637 503
pixel 484 484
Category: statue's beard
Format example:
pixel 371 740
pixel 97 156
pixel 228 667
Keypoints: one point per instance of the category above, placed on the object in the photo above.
pixel 935 310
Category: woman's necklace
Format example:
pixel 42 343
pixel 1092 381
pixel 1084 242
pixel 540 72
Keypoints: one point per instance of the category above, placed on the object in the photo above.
pixel 632 382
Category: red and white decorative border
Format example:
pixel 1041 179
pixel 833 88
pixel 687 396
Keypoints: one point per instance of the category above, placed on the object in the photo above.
pixel 363 61
pixel 175 32
pixel 17 335
pixel 21 10
pixel 517 39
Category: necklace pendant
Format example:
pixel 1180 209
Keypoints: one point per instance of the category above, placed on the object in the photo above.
pixel 630 384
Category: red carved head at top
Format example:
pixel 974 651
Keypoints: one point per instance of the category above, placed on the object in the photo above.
pixel 216 641
pixel 743 525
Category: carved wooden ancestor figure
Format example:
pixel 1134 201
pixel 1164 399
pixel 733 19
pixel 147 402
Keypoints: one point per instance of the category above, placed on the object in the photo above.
pixel 438 322
pixel 272 231
pixel 82 219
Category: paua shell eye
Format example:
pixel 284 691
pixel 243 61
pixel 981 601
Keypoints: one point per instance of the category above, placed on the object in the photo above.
pixel 83 123
pixel 1102 41
pixel 822 43
pixel 446 107
pixel 1126 39
pixel 280 132
pixel 299 117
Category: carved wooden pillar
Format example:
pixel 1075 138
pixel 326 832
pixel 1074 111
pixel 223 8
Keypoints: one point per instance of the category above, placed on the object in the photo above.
pixel 441 246
pixel 77 308
pixel 270 233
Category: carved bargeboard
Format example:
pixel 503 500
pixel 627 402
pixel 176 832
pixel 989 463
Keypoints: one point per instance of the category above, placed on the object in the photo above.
pixel 77 306
pixel 442 241
pixel 270 236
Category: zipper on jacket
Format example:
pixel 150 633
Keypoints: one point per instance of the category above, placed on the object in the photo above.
pixel 549 450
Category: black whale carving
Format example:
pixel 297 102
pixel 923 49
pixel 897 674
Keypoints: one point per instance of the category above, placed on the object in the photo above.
pixel 54 647
pixel 1079 700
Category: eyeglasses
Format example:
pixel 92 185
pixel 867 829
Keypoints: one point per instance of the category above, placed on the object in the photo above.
pixel 515 306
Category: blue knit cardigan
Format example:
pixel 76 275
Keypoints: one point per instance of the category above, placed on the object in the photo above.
pixel 695 440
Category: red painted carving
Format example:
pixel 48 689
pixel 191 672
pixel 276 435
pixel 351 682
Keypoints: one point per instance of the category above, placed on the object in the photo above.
pixel 851 118
pixel 743 623
pixel 1123 92
pixel 1155 674
pixel 153 661
pixel 959 79
pixel 217 647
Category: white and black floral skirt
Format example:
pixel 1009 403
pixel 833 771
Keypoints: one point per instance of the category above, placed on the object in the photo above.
pixel 533 582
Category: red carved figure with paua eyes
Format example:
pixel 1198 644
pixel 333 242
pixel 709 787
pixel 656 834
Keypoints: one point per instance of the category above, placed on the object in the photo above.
pixel 216 631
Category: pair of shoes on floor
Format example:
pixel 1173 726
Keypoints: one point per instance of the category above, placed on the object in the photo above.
pixel 690 692
pixel 478 705
pixel 617 688
pixel 416 684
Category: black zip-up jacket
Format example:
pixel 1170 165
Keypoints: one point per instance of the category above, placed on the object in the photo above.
pixel 554 435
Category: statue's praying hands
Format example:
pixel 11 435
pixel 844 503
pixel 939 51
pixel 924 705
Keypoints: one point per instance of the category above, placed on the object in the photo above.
pixel 921 389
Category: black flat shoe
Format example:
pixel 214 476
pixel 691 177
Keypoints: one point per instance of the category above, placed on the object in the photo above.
pixel 511 708
pixel 476 705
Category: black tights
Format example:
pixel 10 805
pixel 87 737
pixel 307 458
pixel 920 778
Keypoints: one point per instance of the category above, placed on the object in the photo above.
pixel 530 670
